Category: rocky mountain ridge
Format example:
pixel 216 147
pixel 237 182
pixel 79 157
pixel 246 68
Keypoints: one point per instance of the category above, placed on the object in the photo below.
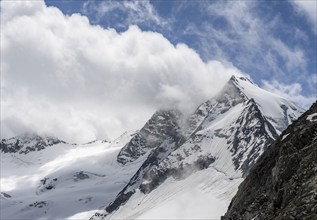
pixel 28 142
pixel 59 180
pixel 227 133
pixel 283 182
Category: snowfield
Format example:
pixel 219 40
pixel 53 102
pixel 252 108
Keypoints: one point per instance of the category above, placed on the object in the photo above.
pixel 203 195
pixel 62 181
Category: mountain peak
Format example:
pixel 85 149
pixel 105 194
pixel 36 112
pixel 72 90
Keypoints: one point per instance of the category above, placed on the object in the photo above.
pixel 162 125
pixel 240 87
pixel 226 135
pixel 27 142
pixel 233 78
pixel 279 111
pixel 232 93
pixel 237 79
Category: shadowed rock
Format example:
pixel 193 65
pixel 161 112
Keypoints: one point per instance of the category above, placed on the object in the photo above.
pixel 283 182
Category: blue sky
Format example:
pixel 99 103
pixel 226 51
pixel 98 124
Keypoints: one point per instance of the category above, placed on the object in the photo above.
pixel 269 40
pixel 85 70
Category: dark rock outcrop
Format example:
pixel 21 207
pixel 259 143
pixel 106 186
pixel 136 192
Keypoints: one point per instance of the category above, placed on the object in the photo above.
pixel 283 182
pixel 26 143
pixel 162 125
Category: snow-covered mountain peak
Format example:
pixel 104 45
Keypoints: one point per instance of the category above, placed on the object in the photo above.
pixel 172 125
pixel 237 79
pixel 279 111
pixel 27 142
pixel 224 136
pixel 231 94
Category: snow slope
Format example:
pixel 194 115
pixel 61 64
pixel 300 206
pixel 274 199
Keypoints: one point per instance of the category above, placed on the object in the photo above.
pixel 61 180
pixel 188 198
pixel 195 172
pixel 279 111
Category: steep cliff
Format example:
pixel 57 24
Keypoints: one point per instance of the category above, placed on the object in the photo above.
pixel 283 182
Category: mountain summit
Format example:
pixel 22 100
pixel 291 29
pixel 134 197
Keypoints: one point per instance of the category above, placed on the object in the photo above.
pixel 206 154
pixel 278 111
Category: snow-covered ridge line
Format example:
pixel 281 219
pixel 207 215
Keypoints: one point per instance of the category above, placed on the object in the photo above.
pixel 279 111
pixel 27 142
pixel 40 184
pixel 227 133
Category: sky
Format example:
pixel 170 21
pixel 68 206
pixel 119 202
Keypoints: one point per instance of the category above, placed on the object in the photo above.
pixel 85 70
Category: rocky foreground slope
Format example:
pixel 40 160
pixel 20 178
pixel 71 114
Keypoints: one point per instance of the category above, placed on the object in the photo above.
pixel 283 182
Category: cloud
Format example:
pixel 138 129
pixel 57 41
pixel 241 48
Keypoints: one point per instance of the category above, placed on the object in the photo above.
pixel 290 92
pixel 126 13
pixel 252 36
pixel 255 36
pixel 308 8
pixel 60 75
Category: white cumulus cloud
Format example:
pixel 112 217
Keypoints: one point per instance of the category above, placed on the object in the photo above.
pixel 60 75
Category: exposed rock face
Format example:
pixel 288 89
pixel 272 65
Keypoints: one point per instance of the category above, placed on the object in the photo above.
pixel 283 182
pixel 163 125
pixel 23 144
